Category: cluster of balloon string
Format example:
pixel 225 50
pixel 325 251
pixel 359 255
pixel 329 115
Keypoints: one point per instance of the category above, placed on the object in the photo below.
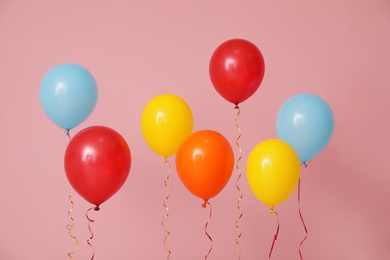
pixel 167 124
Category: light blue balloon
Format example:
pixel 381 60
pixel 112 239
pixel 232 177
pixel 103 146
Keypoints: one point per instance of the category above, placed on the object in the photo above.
pixel 68 95
pixel 306 122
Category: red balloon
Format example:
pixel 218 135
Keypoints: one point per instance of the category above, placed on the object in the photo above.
pixel 236 70
pixel 204 163
pixel 97 163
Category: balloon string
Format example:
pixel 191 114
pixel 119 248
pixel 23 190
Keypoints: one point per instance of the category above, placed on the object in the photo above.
pixel 167 209
pixel 276 234
pixel 237 180
pixel 300 215
pixel 207 234
pixel 96 208
pixel 69 227
pixel 67 133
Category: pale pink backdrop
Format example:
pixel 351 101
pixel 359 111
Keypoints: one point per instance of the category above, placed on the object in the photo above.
pixel 338 49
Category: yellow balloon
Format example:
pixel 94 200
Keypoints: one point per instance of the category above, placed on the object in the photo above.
pixel 166 121
pixel 273 171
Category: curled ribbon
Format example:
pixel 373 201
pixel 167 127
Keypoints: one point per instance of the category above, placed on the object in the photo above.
pixel 167 233
pixel 276 233
pixel 300 215
pixel 205 231
pixel 69 227
pixel 237 180
pixel 96 208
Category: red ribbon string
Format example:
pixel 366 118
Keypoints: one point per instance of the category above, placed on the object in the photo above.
pixel 300 215
pixel 237 180
pixel 96 208
pixel 276 234
pixel 167 233
pixel 207 234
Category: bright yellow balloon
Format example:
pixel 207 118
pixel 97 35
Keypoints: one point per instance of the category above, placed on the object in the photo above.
pixel 273 171
pixel 166 121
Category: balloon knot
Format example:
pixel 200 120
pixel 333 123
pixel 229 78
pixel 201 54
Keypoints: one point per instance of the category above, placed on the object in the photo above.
pixel 165 159
pixel 204 204
pixel 306 163
pixel 236 107
pixel 67 132
pixel 272 211
pixel 97 208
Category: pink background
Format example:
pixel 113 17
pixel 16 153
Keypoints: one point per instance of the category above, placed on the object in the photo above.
pixel 338 49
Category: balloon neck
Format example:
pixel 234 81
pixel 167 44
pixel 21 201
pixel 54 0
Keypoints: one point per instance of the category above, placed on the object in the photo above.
pixel 165 159
pixel 67 132
pixel 272 211
pixel 306 163
pixel 97 208
pixel 236 107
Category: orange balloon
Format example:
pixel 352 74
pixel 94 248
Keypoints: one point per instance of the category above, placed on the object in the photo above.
pixel 204 163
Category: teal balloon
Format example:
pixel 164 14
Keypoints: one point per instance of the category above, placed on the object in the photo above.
pixel 306 122
pixel 68 95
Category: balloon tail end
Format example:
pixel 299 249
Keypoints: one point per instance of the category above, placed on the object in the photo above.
pixel 67 133
pixel 204 204
pixel 236 106
pixel 97 208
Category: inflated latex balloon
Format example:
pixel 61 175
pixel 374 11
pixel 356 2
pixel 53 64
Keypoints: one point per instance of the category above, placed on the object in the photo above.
pixel 236 70
pixel 204 163
pixel 166 121
pixel 97 163
pixel 68 95
pixel 306 122
pixel 273 171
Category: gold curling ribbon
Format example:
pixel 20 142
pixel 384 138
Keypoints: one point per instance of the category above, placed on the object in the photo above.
pixel 69 227
pixel 167 233
pixel 237 186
